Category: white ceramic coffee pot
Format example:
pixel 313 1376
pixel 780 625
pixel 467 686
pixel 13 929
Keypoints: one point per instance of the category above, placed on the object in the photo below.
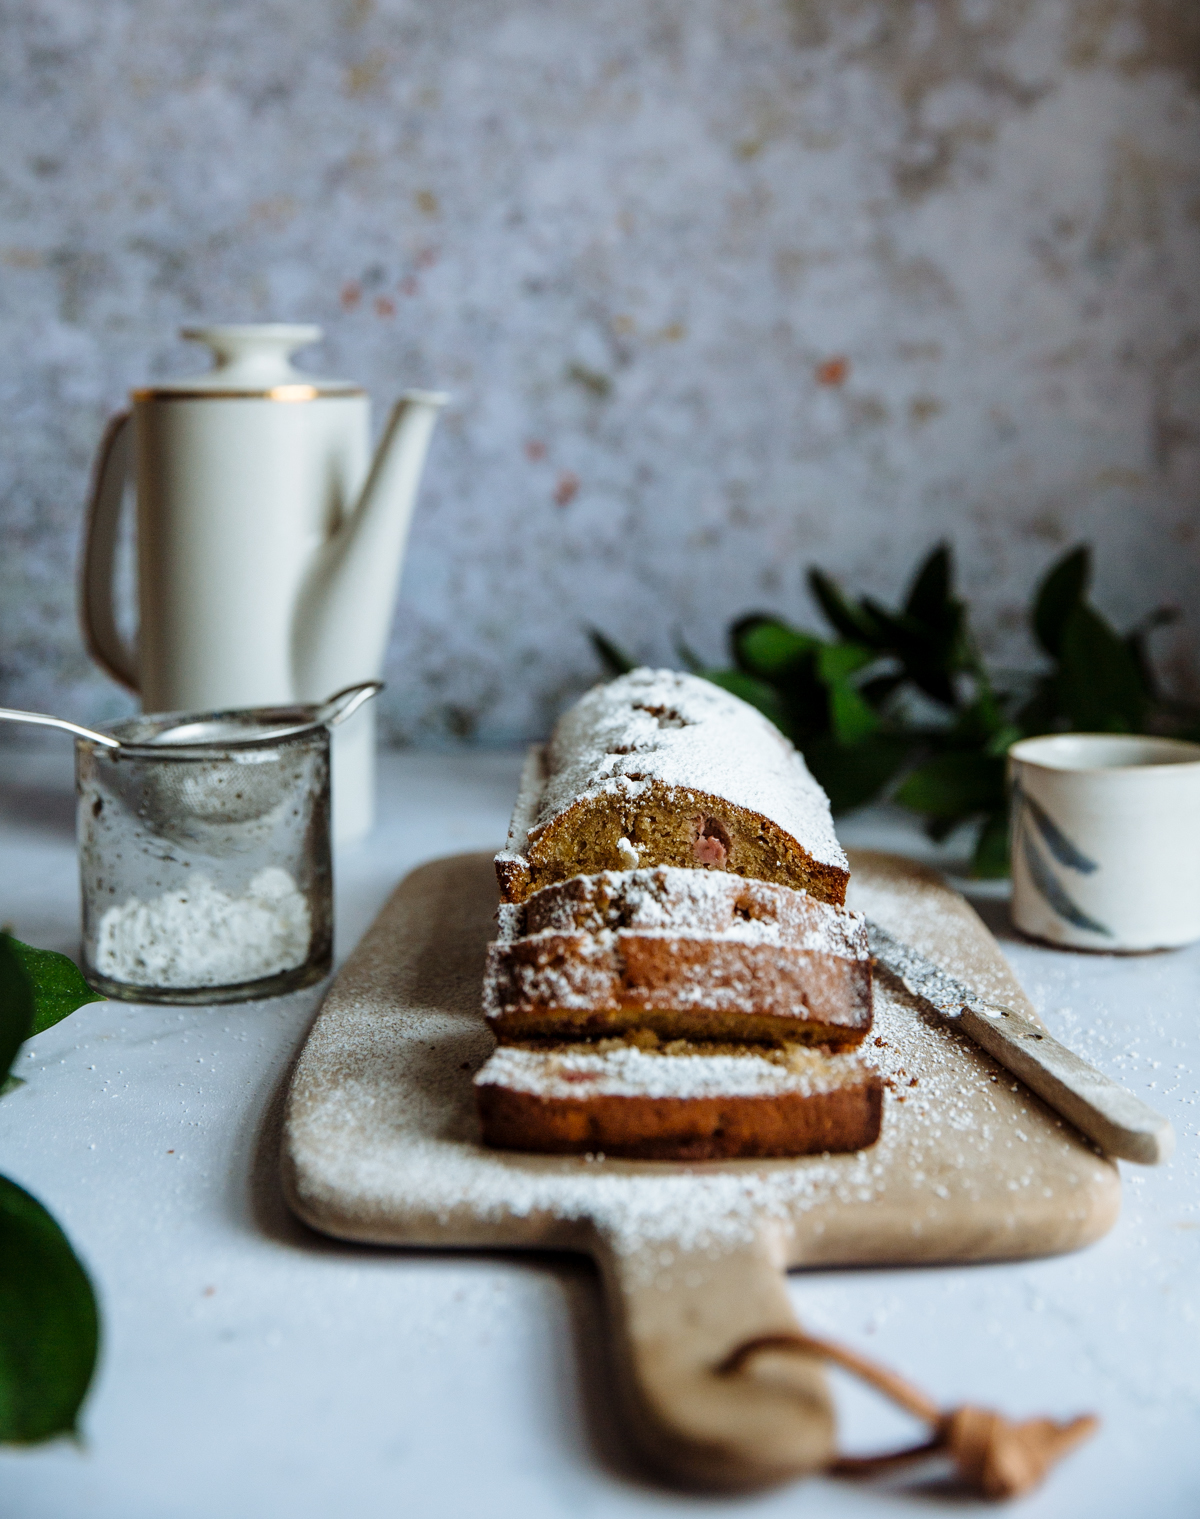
pixel 269 543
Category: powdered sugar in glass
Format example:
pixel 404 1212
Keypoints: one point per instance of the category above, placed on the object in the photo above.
pixel 204 851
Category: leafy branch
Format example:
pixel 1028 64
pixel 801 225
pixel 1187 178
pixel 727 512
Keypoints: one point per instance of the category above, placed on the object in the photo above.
pixel 49 1322
pixel 899 702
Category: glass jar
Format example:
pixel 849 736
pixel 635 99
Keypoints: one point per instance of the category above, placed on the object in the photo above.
pixel 204 854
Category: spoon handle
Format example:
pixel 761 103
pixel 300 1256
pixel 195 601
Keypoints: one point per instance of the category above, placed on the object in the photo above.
pixel 44 720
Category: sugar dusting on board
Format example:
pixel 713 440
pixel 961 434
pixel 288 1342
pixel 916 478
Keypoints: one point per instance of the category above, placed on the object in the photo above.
pixel 384 1136
pixel 936 922
pixel 951 1117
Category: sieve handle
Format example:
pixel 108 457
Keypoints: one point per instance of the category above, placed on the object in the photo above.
pixel 44 720
pixel 346 702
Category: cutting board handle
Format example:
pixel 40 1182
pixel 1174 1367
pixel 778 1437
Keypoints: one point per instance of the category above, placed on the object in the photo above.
pixel 677 1317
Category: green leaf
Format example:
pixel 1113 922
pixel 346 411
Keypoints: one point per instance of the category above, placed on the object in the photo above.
pixel 1137 643
pixel 1003 740
pixel 854 776
pixel 929 600
pixel 930 655
pixel 58 987
pixel 850 717
pixel 1041 712
pixel 955 785
pixel 990 860
pixel 896 629
pixel 756 692
pixel 881 688
pixel 49 1325
pixel 614 660
pixel 804 702
pixel 1099 683
pixel 1058 595
pixel 940 829
pixel 16 1004
pixel 851 621
pixel 986 714
pixel 767 648
pixel 836 661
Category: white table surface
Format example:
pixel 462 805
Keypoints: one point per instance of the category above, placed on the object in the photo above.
pixel 251 1368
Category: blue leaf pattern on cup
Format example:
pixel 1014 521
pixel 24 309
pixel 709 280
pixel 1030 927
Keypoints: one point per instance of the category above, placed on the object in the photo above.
pixel 1051 888
pixel 1059 845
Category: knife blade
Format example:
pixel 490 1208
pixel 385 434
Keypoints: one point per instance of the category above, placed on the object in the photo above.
pixel 1117 1120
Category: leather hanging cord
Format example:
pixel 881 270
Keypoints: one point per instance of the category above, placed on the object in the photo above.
pixel 994 1456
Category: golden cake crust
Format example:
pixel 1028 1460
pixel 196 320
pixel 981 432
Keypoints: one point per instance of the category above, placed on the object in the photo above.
pixel 659 768
pixel 557 986
pixel 593 1099
pixel 687 954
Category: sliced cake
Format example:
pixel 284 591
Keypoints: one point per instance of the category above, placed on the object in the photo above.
pixel 677 1101
pixel 660 768
pixel 684 953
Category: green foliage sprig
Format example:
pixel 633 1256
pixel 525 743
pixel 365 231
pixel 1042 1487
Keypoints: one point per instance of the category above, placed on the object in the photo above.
pixel 899 701
pixel 49 1322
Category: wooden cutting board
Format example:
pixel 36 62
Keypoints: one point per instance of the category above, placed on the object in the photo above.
pixel 381 1145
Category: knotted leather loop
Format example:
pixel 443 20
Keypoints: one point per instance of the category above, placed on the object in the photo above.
pixel 995 1456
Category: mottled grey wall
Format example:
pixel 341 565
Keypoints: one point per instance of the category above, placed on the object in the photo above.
pixel 721 287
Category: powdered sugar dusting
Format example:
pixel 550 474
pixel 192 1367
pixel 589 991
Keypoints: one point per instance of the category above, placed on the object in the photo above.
pixel 529 796
pixel 598 943
pixel 614 1068
pixel 714 973
pixel 690 903
pixel 681 730
pixel 913 905
pixel 578 972
pixel 384 1145
pixel 957 1131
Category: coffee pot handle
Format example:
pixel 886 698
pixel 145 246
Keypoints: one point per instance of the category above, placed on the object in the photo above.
pixel 96 612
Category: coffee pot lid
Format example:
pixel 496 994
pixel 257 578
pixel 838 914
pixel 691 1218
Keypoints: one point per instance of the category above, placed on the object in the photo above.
pixel 252 359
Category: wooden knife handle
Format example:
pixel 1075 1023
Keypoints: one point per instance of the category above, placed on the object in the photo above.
pixel 1120 1123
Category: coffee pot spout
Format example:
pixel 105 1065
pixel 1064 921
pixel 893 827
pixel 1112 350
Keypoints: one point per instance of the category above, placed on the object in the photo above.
pixel 344 611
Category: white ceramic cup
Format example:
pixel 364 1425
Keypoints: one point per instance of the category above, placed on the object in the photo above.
pixel 1105 839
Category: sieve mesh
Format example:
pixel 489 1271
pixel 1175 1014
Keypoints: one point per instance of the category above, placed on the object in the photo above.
pixel 193 789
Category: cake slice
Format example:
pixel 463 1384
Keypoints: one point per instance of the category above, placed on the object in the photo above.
pixel 659 768
pixel 677 1101
pixel 683 953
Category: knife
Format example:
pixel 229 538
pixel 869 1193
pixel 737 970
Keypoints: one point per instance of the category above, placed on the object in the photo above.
pixel 1120 1123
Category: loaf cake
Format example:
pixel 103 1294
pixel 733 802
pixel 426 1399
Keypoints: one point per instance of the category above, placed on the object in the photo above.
pixel 678 1101
pixel 660 768
pixel 684 953
pixel 673 944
